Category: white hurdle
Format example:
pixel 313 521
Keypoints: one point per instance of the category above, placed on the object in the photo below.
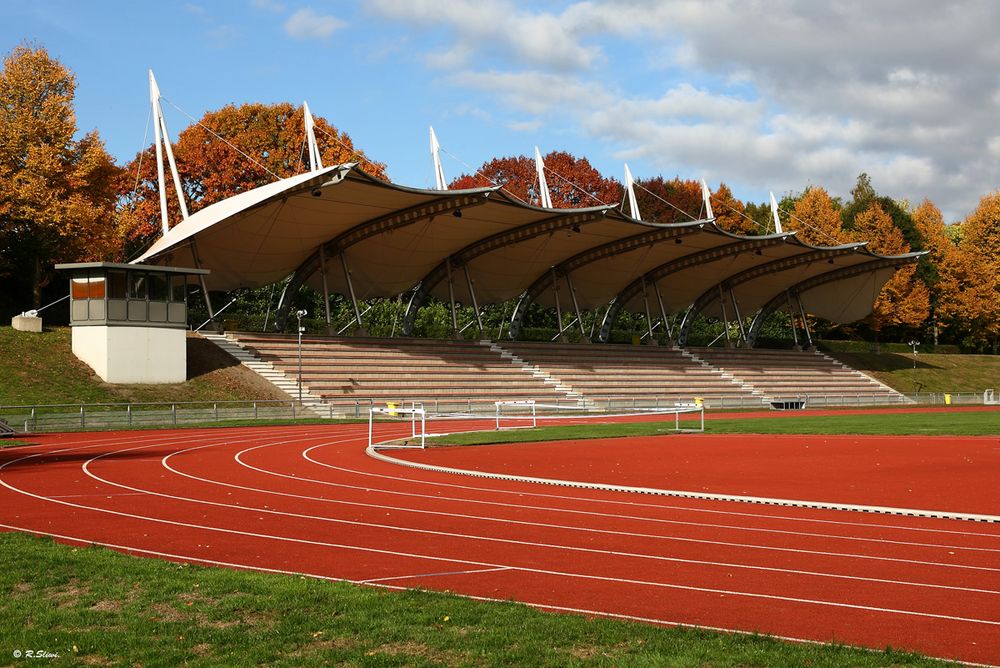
pixel 529 402
pixel 395 411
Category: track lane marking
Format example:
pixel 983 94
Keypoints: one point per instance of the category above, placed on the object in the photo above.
pixel 521 543
pixel 540 606
pixel 632 503
pixel 433 575
pixel 465 500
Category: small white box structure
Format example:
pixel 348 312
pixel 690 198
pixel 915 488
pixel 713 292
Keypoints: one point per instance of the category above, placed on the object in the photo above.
pixel 26 323
pixel 130 321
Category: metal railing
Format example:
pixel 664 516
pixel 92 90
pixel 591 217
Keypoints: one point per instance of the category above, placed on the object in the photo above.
pixel 93 417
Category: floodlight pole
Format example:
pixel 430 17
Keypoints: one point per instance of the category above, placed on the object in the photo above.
pixel 913 344
pixel 299 314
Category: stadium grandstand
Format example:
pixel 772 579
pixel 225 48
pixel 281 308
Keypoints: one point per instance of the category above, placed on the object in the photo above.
pixel 340 230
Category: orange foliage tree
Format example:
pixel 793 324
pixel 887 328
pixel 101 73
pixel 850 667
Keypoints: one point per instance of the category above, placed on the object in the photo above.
pixel 730 213
pixel 57 193
pixel 941 268
pixel 573 182
pixel 904 299
pixel 265 142
pixel 816 218
pixel 976 279
pixel 673 201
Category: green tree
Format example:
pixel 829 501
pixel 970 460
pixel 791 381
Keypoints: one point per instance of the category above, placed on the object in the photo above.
pixel 57 193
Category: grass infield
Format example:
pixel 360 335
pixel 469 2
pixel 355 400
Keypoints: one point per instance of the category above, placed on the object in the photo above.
pixel 985 423
pixel 96 606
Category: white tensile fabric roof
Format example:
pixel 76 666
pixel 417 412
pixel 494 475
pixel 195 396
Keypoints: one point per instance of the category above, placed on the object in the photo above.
pixel 394 238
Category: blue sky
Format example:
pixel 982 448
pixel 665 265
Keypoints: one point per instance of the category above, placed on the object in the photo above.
pixel 761 95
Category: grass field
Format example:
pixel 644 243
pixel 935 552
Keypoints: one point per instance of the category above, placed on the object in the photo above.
pixel 42 369
pixel 934 372
pixel 986 423
pixel 98 607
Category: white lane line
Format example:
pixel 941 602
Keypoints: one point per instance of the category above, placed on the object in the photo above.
pixel 537 605
pixel 539 571
pixel 551 546
pixel 103 495
pixel 433 575
pixel 636 504
pixel 463 500
pixel 761 500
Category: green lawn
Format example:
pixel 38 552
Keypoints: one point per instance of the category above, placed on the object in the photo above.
pixel 42 369
pixel 934 372
pixel 986 423
pixel 93 606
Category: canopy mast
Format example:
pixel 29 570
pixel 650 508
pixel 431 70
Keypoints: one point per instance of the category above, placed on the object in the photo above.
pixel 774 212
pixel 439 182
pixel 633 205
pixel 162 136
pixel 315 162
pixel 544 198
pixel 706 195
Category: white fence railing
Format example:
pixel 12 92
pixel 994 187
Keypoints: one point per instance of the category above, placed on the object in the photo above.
pixel 93 417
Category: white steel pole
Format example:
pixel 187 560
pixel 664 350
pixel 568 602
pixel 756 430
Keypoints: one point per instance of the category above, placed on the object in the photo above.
pixel 439 182
pixel 774 213
pixel 632 202
pixel 545 199
pixel 706 195
pixel 315 161
pixel 154 96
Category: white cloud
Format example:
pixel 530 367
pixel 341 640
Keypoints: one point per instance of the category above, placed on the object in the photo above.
pixel 525 126
pixel 765 97
pixel 307 24
pixel 269 5
pixel 496 27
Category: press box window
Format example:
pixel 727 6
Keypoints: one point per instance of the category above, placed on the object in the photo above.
pixel 158 287
pixel 137 286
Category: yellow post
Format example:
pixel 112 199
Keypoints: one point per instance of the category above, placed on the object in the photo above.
pixel 947 400
pixel 391 405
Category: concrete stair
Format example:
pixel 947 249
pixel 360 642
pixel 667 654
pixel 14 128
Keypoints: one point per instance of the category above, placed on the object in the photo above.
pixel 268 372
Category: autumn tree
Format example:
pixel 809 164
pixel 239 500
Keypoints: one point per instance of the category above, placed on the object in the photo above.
pixel 904 299
pixel 863 196
pixel 573 182
pixel 939 269
pixel 730 213
pixel 56 192
pixel 669 201
pixel 226 152
pixel 977 280
pixel 815 218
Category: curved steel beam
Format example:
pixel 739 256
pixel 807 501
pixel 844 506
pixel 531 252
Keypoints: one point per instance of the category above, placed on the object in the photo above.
pixel 772 267
pixel 591 255
pixel 658 273
pixel 444 205
pixel 815 281
pixel 567 220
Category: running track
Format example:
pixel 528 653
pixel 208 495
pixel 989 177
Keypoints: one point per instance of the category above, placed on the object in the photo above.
pixel 308 500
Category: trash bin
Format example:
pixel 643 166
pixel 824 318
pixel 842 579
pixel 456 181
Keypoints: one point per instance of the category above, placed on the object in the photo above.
pixel 947 400
pixel 699 401
pixel 391 405
pixel 636 340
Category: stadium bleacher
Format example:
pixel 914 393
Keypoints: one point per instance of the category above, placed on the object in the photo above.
pixel 784 374
pixel 401 369
pixel 619 372
pixel 474 374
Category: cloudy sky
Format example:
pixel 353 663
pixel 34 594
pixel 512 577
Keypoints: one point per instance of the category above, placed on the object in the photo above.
pixel 760 95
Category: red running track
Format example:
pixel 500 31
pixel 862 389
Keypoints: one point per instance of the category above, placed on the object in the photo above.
pixel 308 500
